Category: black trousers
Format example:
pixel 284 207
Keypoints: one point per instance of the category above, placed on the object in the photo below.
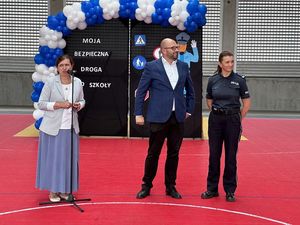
pixel 173 131
pixel 225 129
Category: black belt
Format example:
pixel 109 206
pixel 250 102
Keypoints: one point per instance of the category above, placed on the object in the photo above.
pixel 224 111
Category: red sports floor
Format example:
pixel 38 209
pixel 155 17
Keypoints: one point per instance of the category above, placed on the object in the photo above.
pixel 111 170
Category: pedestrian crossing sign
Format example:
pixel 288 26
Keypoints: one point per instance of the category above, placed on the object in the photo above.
pixel 140 40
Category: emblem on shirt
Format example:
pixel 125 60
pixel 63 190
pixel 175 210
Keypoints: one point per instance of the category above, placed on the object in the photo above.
pixel 235 83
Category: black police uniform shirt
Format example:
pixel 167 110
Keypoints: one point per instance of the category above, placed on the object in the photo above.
pixel 227 91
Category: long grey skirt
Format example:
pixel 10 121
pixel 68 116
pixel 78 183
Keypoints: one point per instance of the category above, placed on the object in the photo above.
pixel 54 162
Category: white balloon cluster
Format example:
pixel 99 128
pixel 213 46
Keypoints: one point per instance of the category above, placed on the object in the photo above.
pixel 179 14
pixel 37 113
pixel 51 38
pixel 110 8
pixel 43 73
pixel 145 10
pixel 75 16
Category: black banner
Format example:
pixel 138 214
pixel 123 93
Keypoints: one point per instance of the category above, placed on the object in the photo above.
pixel 102 59
pixel 101 62
pixel 145 40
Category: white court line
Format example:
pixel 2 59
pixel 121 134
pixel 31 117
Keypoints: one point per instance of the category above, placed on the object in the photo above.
pixel 150 203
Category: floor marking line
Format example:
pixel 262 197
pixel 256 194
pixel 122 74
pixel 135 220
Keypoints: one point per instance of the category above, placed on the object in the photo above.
pixel 150 203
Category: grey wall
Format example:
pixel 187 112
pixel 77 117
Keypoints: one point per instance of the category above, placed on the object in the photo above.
pixel 267 94
pixel 15 89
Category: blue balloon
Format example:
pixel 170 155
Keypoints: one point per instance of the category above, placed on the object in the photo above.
pixel 50 62
pixel 44 50
pixel 155 18
pixel 95 2
pixel 202 9
pixel 166 13
pixel 35 96
pixel 38 86
pixel 66 31
pixel 52 22
pixel 59 52
pixel 86 6
pixel 38 59
pixel 37 123
pixel 61 16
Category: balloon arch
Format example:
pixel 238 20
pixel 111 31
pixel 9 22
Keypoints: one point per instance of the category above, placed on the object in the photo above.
pixel 186 15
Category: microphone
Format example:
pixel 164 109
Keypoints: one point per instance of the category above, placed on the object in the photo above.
pixel 71 72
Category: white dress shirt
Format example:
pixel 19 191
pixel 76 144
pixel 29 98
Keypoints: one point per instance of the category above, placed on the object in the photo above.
pixel 172 73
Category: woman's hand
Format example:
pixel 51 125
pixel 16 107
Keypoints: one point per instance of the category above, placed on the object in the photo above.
pixel 76 106
pixel 62 105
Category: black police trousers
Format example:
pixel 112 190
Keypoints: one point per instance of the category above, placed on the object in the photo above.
pixel 223 128
pixel 173 131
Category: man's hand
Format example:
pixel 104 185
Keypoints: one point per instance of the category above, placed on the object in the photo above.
pixel 139 120
pixel 194 44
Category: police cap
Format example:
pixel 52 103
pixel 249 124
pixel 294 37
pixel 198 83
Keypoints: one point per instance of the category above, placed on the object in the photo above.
pixel 182 38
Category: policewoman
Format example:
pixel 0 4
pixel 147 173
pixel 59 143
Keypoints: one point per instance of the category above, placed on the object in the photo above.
pixel 226 90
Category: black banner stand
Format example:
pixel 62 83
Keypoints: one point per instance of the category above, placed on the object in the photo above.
pixel 70 199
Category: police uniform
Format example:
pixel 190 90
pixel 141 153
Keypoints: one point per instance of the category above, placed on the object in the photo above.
pixel 224 126
pixel 187 57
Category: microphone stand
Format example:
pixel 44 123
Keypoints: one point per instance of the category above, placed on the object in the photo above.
pixel 71 198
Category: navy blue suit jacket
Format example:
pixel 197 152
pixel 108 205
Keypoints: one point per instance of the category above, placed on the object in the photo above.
pixel 155 79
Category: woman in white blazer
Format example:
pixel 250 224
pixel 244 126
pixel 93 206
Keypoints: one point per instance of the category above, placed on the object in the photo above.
pixel 54 153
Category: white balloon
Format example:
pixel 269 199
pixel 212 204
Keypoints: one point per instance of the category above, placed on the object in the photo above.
pixel 46 72
pixel 172 21
pixel 52 44
pixel 183 15
pixel 116 15
pixel 37 114
pixel 76 20
pixel 82 25
pixel 42 42
pixel 107 16
pixel 54 37
pixel 139 17
pixel 150 10
pixel 59 35
pixel 36 77
pixel 71 25
pixel 67 10
pixel 148 20
pixel 41 68
pixel 180 26
pixel 77 6
pixel 35 105
pixel 62 43
pixel 138 11
pixel 51 69
pixel 70 18
pixel 105 11
pixel 47 37
pixel 112 13
pixel 43 31
pixel 81 16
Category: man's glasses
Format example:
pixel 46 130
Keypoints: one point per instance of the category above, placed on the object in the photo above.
pixel 173 48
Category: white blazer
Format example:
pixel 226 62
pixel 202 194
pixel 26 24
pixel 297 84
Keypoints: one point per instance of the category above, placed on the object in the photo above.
pixel 53 92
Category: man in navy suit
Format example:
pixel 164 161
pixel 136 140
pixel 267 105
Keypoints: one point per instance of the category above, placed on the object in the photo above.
pixel 165 79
